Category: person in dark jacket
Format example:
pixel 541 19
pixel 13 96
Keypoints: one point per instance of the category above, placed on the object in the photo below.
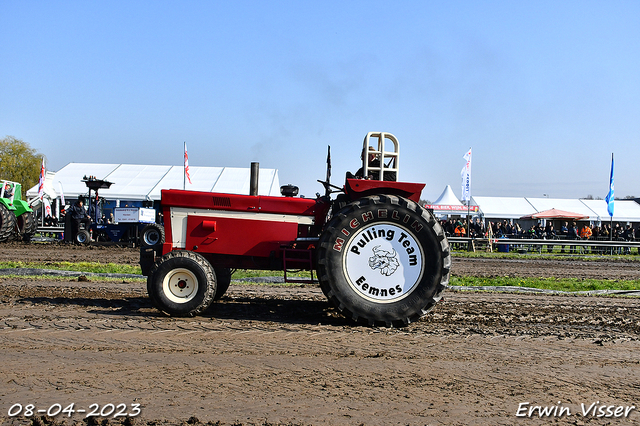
pixel 79 216
pixel 572 234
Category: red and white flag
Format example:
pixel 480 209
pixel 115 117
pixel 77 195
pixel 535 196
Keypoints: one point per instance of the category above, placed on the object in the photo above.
pixel 41 182
pixel 186 163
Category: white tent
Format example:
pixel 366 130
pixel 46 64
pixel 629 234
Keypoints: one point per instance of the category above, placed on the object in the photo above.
pixel 503 207
pixel 134 182
pixel 447 198
pixel 448 204
pixel 516 207
pixel 623 210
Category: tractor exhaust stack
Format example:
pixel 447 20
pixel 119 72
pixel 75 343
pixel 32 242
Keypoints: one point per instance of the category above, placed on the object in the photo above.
pixel 253 184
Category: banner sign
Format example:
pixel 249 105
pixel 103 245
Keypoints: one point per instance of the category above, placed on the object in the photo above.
pixel 134 215
pixel 452 208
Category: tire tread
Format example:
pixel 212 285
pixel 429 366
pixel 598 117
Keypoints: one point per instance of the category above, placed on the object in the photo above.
pixel 325 245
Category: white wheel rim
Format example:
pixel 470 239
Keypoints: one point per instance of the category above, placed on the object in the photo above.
pixel 151 237
pixel 180 285
pixel 383 262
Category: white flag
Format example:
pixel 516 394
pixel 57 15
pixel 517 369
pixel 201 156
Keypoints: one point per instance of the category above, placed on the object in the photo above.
pixel 466 177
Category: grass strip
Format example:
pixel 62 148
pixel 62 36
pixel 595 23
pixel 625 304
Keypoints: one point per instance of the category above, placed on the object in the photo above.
pixel 92 278
pixel 563 284
pixel 547 256
pixel 76 266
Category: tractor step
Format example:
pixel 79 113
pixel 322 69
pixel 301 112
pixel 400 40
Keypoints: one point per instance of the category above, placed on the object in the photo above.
pixel 294 260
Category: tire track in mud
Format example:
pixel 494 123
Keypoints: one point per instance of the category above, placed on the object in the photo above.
pixel 277 309
pixel 282 355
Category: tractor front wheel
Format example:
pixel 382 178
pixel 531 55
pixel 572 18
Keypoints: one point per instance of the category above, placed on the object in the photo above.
pixel 383 260
pixel 182 283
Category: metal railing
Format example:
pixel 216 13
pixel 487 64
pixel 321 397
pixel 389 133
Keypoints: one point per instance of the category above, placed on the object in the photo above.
pixel 536 244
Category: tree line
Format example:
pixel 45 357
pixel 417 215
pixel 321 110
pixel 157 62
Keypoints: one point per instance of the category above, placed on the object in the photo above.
pixel 19 162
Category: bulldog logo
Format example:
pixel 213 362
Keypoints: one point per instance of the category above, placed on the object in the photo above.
pixel 386 261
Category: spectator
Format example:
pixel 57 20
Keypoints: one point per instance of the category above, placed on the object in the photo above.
pixel 517 230
pixel 508 229
pixel 572 234
pixel 629 235
pixel 585 232
pixel 450 228
pixel 564 231
pixel 538 230
pixel 549 234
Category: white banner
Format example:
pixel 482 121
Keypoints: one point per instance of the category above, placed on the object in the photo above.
pixel 47 207
pixel 466 177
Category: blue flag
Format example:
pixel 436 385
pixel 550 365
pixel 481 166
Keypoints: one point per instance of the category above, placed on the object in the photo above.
pixel 609 198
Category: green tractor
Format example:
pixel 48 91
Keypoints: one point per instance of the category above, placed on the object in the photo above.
pixel 17 220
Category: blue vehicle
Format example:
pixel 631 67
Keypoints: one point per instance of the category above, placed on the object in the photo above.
pixel 130 225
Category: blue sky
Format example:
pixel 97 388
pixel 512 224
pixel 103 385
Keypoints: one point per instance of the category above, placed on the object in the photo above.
pixel 543 92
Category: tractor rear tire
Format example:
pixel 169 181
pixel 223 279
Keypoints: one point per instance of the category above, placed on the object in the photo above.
pixel 83 237
pixel 223 276
pixel 26 226
pixel 152 235
pixel 383 261
pixel 7 224
pixel 182 283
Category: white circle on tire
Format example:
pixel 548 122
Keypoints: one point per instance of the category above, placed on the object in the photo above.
pixel 383 262
pixel 180 285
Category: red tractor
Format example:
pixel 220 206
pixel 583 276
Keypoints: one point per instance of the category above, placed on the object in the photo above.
pixel 380 258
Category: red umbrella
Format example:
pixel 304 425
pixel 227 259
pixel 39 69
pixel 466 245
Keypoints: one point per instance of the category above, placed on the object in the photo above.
pixel 555 214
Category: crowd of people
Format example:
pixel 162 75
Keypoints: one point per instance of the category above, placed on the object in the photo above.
pixel 568 230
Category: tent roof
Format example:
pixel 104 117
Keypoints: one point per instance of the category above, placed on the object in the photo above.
pixel 518 207
pixel 447 198
pixel 570 205
pixel 623 210
pixel 555 214
pixel 503 207
pixel 136 182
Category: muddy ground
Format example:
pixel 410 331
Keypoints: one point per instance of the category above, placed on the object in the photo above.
pixel 275 355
